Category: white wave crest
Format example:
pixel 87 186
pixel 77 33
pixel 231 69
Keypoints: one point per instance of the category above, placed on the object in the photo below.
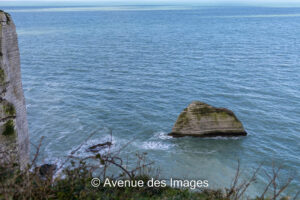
pixel 162 136
pixel 152 145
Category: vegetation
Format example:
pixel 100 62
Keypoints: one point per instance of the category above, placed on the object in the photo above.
pixel 9 128
pixel 9 109
pixel 2 74
pixel 72 180
pixel 182 120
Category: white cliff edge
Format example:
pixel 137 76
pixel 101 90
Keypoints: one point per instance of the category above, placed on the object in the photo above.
pixel 14 138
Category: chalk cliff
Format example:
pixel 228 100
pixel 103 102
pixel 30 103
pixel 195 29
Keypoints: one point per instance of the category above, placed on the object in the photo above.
pixel 14 139
pixel 202 120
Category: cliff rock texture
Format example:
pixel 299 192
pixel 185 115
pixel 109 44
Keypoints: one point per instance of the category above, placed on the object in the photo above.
pixel 202 120
pixel 14 139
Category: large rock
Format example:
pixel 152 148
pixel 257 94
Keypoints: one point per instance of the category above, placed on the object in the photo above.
pixel 202 120
pixel 14 139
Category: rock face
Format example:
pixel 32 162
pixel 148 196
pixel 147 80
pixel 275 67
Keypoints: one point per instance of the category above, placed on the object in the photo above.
pixel 14 139
pixel 202 120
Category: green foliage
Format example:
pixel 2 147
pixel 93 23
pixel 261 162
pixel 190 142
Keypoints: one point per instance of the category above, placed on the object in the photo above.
pixel 79 188
pixel 9 128
pixel 74 182
pixel 9 109
pixel 5 173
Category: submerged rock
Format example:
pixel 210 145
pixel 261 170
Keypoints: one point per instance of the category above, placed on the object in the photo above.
pixel 202 120
pixel 99 147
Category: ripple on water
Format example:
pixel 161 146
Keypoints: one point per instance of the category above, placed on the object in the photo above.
pixel 134 72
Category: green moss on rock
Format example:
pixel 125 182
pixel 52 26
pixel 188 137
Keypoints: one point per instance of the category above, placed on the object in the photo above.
pixel 9 109
pixel 182 119
pixel 201 119
pixel 9 128
pixel 2 76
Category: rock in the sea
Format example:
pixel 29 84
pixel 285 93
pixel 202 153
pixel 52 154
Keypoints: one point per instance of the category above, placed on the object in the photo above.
pixel 99 147
pixel 202 120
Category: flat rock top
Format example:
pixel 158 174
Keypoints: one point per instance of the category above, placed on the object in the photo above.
pixel 203 120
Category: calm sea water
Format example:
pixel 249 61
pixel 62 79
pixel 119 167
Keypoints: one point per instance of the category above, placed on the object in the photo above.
pixel 133 70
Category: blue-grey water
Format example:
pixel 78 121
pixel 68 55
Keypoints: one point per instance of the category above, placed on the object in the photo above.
pixel 133 69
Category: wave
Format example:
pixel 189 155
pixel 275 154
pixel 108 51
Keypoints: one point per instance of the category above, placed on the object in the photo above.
pixel 255 16
pixel 153 145
pixel 39 32
pixel 114 8
pixel 81 150
pixel 222 138
pixel 162 136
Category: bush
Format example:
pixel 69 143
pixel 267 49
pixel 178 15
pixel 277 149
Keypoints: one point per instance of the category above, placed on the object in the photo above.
pixel 72 180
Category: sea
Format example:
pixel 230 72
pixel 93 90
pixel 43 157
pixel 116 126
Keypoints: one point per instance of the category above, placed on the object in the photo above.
pixel 125 72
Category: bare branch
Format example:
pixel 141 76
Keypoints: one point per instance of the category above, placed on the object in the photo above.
pixel 33 162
